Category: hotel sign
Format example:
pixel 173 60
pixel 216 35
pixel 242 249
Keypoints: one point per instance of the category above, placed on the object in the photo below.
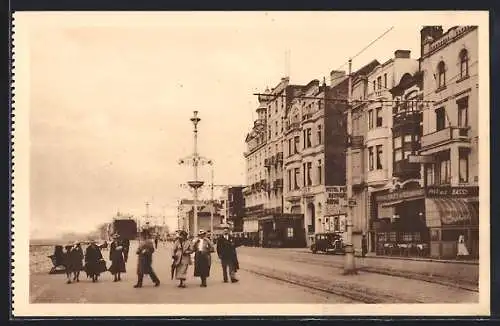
pixel 452 191
pixel 404 194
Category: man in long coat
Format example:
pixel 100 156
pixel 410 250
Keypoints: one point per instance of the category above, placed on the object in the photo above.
pixel 181 256
pixel 94 263
pixel 145 260
pixel 117 258
pixel 202 257
pixel 77 260
pixel 226 250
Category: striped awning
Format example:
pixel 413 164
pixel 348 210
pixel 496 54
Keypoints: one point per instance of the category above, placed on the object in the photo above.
pixel 452 211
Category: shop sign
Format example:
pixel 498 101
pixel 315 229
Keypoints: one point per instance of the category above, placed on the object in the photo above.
pixel 403 194
pixel 452 191
pixel 423 159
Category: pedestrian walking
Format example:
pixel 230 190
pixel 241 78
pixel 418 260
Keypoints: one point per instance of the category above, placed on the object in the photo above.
pixel 117 258
pixel 126 248
pixel 202 257
pixel 364 245
pixel 68 262
pixel 145 260
pixel 94 262
pixel 462 251
pixel 77 261
pixel 226 250
pixel 181 257
pixel 156 241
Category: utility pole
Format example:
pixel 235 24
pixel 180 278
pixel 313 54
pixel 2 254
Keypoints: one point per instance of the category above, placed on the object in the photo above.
pixel 212 208
pixel 349 265
pixel 147 213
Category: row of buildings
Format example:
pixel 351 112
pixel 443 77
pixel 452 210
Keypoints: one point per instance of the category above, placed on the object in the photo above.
pixel 413 153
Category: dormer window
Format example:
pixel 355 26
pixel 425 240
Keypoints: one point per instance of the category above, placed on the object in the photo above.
pixel 464 64
pixel 441 75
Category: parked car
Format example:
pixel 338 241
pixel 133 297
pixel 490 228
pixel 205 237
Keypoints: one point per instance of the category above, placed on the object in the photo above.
pixel 328 242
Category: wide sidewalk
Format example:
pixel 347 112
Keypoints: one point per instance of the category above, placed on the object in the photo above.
pixel 456 271
pixel 45 288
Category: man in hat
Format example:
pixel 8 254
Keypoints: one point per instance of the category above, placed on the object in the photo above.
pixel 202 257
pixel 145 259
pixel 77 260
pixel 226 250
pixel 117 258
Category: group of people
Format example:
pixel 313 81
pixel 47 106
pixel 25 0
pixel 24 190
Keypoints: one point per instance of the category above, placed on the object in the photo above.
pixel 183 249
pixel 92 262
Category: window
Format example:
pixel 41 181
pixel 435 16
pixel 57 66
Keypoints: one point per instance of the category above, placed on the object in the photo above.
pixel 289 179
pixel 429 174
pixel 397 142
pixel 304 171
pixel 444 171
pixel 379 157
pixel 463 104
pixel 440 119
pixel 320 172
pixel 281 125
pixel 296 141
pixel 319 135
pixel 370 119
pixel 269 132
pixel 296 178
pixel 289 232
pixel 370 158
pixel 276 128
pixel 463 165
pixel 407 138
pixel 378 115
pixel 307 138
pixel 385 81
pixel 441 71
pixel 398 154
pixel 309 168
pixel 290 147
pixel 407 154
pixel 379 82
pixel 464 64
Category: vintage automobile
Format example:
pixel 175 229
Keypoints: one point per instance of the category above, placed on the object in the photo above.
pixel 328 243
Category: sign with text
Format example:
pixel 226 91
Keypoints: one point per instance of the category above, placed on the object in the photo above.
pixel 403 194
pixel 423 159
pixel 452 191
pixel 336 197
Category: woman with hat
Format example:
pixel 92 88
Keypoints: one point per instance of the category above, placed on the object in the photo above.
pixel 202 257
pixel 181 257
pixel 77 260
pixel 68 262
pixel 116 255
pixel 94 263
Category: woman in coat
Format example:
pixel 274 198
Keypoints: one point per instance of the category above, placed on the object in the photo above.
pixel 68 262
pixel 181 256
pixel 77 261
pixel 94 263
pixel 202 257
pixel 117 258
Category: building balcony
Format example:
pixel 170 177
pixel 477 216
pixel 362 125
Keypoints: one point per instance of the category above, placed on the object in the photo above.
pixel 293 195
pixel 254 210
pixel 278 183
pixel 377 133
pixel 272 160
pixel 357 179
pixel 405 170
pixel 445 136
pixel 406 118
pixel 355 142
pixel 279 157
pixel 293 126
pixel 376 177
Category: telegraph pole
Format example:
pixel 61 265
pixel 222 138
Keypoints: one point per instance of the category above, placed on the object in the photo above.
pixel 212 208
pixel 349 265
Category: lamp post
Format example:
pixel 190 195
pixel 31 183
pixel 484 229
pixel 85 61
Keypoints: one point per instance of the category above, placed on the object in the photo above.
pixel 349 265
pixel 212 208
pixel 195 159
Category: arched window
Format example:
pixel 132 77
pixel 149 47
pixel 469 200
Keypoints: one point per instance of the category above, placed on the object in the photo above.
pixel 441 74
pixel 464 63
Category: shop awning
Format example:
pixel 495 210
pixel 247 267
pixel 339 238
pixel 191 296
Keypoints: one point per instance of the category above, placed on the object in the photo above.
pixel 452 211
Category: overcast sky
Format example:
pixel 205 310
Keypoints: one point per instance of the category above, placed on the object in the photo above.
pixel 112 94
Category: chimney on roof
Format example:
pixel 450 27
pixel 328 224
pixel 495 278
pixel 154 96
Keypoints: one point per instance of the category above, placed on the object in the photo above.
pixel 402 54
pixel 336 77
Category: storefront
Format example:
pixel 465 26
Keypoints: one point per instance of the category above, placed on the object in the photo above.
pixel 452 214
pixel 400 226
pixel 282 231
pixel 428 222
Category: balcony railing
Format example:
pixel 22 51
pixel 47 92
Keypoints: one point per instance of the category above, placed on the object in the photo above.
pixel 403 118
pixel 405 169
pixel 356 142
pixel 293 126
pixel 446 135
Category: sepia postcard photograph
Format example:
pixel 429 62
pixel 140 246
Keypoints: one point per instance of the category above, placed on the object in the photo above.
pixel 251 163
